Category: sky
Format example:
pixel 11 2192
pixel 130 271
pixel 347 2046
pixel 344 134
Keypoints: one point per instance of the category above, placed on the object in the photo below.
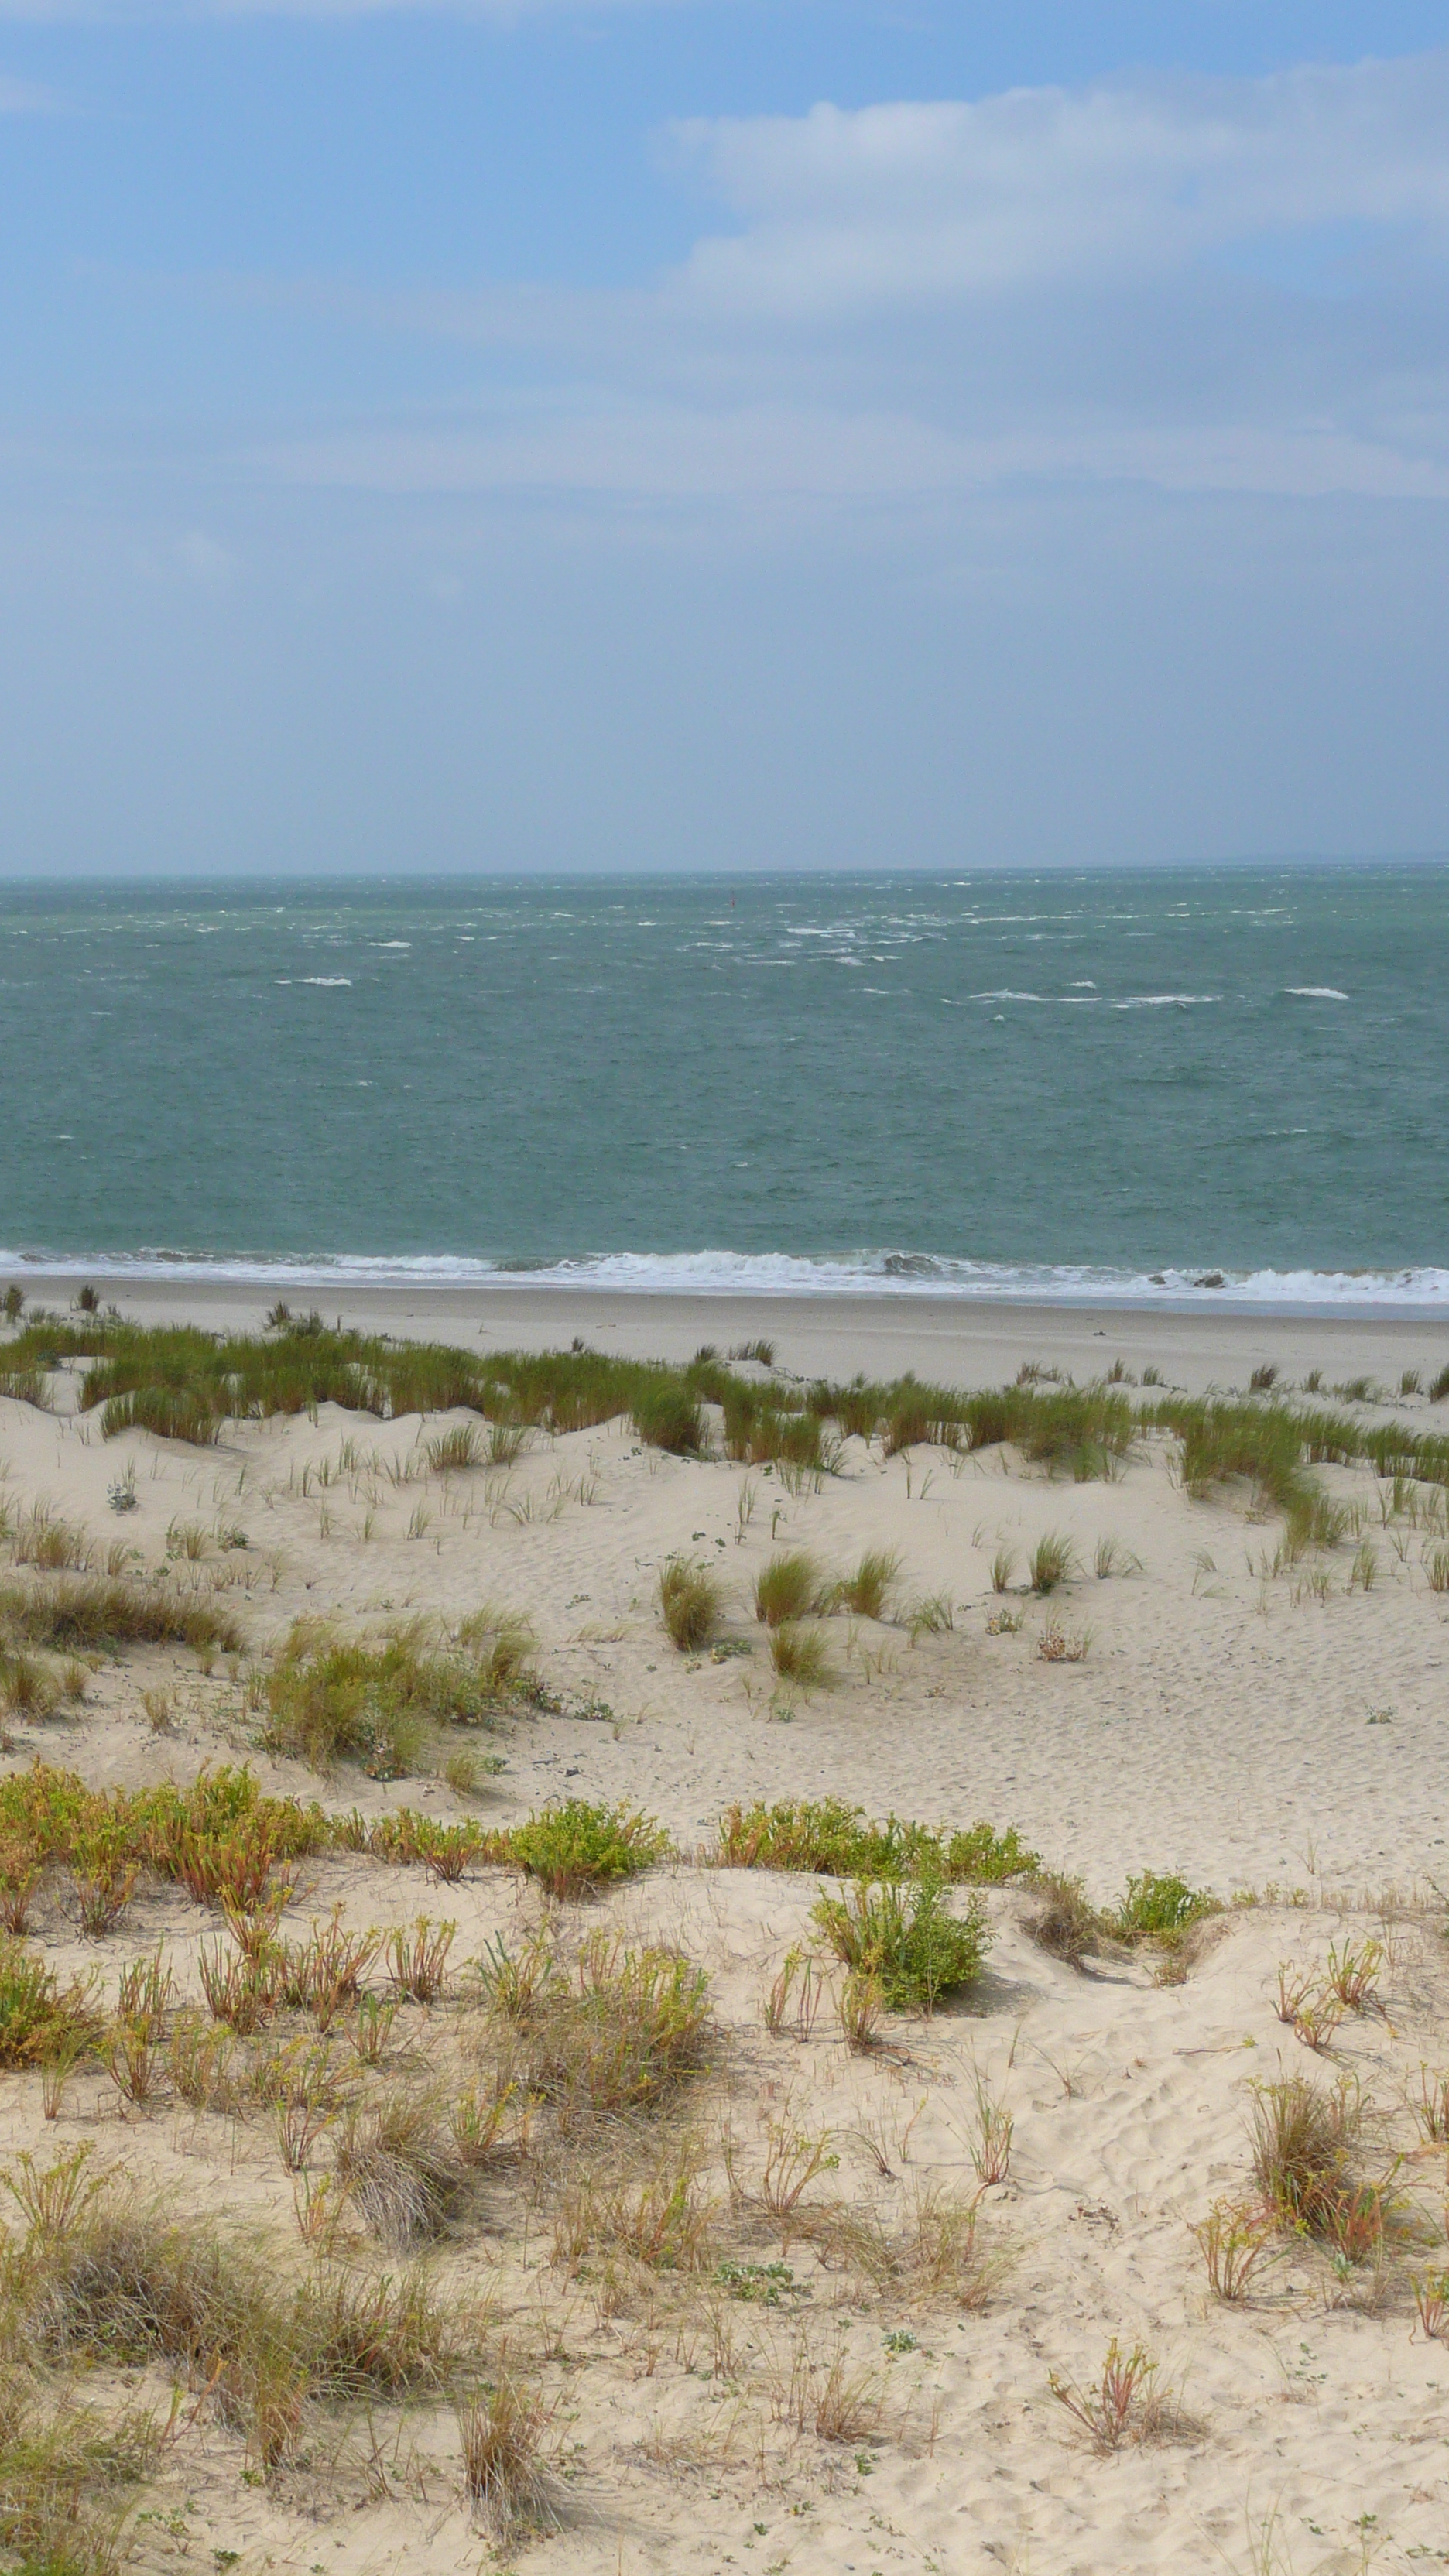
pixel 723 434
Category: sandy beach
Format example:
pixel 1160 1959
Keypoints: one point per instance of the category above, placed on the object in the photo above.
pixel 951 1341
pixel 1190 1701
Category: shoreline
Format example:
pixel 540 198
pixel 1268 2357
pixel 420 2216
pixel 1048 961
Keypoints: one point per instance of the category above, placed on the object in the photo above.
pixel 949 1340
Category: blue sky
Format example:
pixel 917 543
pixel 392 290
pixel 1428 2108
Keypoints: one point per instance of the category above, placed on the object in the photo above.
pixel 725 433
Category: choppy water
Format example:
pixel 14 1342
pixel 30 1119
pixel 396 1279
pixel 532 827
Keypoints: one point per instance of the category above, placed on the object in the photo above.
pixel 1050 1084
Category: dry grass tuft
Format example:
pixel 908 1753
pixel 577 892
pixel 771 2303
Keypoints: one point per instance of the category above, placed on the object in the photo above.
pixel 501 2432
pixel 616 2032
pixel 398 2162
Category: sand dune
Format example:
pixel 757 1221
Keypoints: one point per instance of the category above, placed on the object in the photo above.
pixel 1271 1736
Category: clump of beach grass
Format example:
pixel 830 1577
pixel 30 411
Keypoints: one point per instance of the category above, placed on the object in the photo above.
pixel 1111 1557
pixel 691 1600
pixel 70 1614
pixel 789 1587
pixel 500 2433
pixel 1053 1562
pixel 398 2163
pixel 864 1593
pixel 332 1698
pixel 668 1417
pixel 615 2029
pixel 458 1452
pixel 799 1654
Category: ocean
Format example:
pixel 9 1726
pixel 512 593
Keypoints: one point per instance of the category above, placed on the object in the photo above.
pixel 1192 1084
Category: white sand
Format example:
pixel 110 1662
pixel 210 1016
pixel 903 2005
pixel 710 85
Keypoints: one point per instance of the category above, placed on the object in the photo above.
pixel 1217 1727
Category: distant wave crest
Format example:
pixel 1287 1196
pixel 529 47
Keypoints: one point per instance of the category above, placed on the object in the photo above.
pixel 778 1274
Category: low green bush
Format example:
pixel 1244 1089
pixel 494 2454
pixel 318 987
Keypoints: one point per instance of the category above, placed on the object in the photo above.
pixel 905 1940
pixel 576 1848
pixel 825 1835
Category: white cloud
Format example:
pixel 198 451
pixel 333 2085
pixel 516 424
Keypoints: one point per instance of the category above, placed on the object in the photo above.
pixel 671 455
pixel 852 209
pixel 26 98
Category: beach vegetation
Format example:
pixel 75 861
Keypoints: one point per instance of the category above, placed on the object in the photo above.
pixel 459 1451
pixel 1159 1907
pixel 1233 2239
pixel 576 1849
pixel 864 1593
pixel 501 2430
pixel 611 2030
pixel 833 1840
pixel 100 1615
pixel 1123 2405
pixel 668 1417
pixel 1303 2141
pixel 380 1703
pixel 799 1653
pixel 1066 1924
pixel 691 1599
pixel 1053 1562
pixel 1059 1645
pixel 789 1587
pixel 905 1939
pixel 1111 1557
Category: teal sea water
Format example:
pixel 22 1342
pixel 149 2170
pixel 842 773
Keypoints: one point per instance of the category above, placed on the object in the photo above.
pixel 1054 1084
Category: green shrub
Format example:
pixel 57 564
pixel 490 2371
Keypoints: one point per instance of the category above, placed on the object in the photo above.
pixel 827 1836
pixel 576 1848
pixel 905 1940
pixel 1156 1908
pixel 38 2022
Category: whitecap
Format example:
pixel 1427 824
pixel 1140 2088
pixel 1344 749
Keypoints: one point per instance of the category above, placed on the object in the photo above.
pixel 1316 992
pixel 328 982
pixel 1164 1001
pixel 1006 996
pixel 720 1272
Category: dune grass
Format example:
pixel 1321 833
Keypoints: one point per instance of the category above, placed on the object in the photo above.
pixel 789 1587
pixel 691 1599
pixel 865 1592
pixel 183 1383
pixel 332 1698
pixel 799 1653
pixel 95 1614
